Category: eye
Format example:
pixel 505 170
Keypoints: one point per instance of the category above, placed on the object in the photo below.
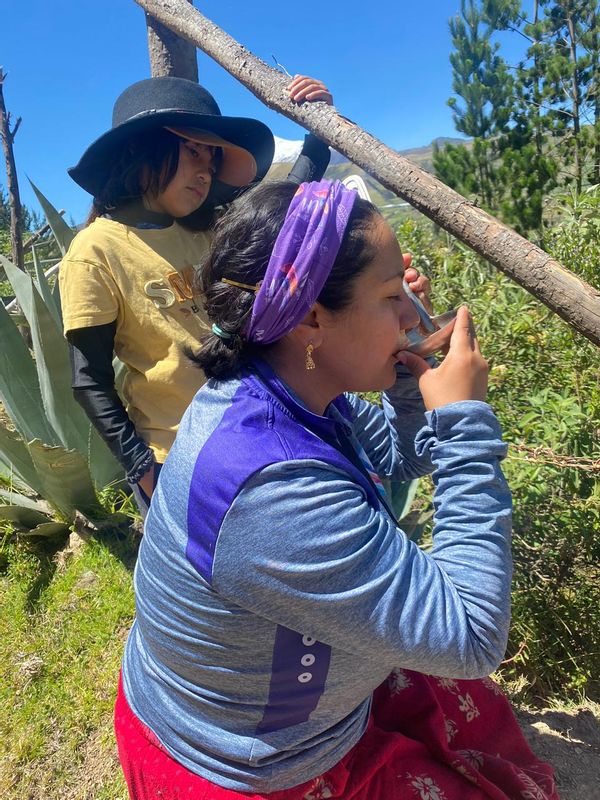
pixel 192 150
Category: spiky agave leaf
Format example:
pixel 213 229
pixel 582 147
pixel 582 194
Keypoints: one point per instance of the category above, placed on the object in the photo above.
pixel 72 427
pixel 22 518
pixel 45 290
pixel 65 479
pixel 62 233
pixel 17 498
pixel 14 452
pixel 58 475
pixel 19 385
pixel 32 524
pixel 52 361
pixel 45 531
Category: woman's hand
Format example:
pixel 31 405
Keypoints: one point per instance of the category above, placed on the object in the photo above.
pixel 146 482
pixel 304 88
pixel 463 373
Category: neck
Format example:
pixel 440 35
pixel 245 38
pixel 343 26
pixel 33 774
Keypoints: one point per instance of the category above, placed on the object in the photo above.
pixel 136 213
pixel 312 387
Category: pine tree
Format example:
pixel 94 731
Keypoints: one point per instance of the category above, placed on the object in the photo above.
pixel 534 127
pixel 590 42
pixel 568 77
pixel 527 166
pixel 481 80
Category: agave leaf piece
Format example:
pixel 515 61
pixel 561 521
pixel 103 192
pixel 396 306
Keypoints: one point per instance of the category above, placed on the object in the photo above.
pixel 401 495
pixel 23 518
pixel 62 233
pixel 45 290
pixel 103 466
pixel 52 362
pixel 15 452
pixel 57 302
pixel 73 429
pixel 19 386
pixel 45 531
pixel 65 478
pixel 120 373
pixel 414 523
pixel 15 498
pixel 9 478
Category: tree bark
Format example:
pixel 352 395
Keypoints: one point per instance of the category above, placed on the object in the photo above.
pixel 575 301
pixel 14 201
pixel 169 54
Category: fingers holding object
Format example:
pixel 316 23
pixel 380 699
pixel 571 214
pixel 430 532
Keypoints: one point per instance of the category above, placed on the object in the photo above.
pixel 302 87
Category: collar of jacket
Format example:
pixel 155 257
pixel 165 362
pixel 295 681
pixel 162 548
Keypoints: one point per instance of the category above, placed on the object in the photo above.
pixel 325 427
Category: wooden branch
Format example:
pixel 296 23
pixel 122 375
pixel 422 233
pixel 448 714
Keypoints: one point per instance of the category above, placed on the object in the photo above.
pixel 169 54
pixel 36 235
pixel 575 301
pixel 15 129
pixel 14 199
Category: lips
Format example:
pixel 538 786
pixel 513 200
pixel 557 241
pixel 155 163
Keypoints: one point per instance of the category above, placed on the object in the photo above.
pixel 198 191
pixel 403 343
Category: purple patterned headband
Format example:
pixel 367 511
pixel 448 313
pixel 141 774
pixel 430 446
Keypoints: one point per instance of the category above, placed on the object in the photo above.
pixel 302 258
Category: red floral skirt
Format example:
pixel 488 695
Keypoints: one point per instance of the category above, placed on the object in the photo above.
pixel 428 738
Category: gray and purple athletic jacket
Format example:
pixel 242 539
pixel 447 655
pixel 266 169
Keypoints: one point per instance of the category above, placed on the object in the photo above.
pixel 274 591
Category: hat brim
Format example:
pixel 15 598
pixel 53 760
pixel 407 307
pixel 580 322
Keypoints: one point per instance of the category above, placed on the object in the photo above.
pixel 237 167
pixel 237 134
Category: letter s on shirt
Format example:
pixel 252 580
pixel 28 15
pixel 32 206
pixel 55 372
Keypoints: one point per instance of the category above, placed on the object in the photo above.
pixel 159 293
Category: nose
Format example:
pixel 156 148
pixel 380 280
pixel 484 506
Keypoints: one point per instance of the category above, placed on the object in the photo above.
pixel 204 173
pixel 202 166
pixel 422 315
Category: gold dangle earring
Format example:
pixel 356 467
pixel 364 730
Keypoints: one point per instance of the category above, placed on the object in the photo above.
pixel 310 364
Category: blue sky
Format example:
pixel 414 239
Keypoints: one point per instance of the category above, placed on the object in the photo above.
pixel 67 60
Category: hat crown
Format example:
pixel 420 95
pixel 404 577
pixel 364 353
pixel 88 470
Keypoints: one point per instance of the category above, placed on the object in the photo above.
pixel 153 95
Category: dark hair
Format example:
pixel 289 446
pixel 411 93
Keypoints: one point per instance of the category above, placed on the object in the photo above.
pixel 244 239
pixel 147 163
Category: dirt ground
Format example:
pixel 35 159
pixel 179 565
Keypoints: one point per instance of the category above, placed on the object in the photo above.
pixel 570 741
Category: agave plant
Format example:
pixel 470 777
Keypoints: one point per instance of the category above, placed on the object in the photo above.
pixel 53 462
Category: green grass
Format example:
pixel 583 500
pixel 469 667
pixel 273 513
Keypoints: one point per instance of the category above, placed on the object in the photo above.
pixel 64 617
pixel 6 289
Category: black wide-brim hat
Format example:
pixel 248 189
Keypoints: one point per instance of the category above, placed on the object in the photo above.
pixel 176 103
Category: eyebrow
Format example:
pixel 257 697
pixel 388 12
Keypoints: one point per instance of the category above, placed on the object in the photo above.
pixel 396 276
pixel 191 143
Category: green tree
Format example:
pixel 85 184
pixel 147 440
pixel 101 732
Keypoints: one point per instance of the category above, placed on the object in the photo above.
pixel 529 125
pixel 568 51
pixel 482 103
pixel 590 42
pixel 527 166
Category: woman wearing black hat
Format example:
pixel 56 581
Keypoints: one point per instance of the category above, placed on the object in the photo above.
pixel 157 176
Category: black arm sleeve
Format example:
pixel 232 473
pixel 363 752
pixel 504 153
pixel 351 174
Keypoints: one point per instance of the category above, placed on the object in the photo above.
pixel 312 161
pixel 91 352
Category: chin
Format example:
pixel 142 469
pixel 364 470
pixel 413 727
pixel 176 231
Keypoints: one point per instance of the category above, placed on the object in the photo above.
pixel 390 378
pixel 377 384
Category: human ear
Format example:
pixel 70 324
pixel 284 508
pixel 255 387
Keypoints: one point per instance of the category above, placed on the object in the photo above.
pixel 310 330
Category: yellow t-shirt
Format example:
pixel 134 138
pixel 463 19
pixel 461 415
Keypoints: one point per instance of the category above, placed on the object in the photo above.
pixel 142 278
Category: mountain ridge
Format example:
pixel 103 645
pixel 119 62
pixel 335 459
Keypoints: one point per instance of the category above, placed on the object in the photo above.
pixel 288 150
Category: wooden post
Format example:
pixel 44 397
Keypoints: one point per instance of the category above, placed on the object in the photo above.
pixel 573 299
pixel 169 54
pixel 14 201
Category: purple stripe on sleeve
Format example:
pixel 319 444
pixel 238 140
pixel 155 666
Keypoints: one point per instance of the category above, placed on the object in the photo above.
pixel 298 674
pixel 223 466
